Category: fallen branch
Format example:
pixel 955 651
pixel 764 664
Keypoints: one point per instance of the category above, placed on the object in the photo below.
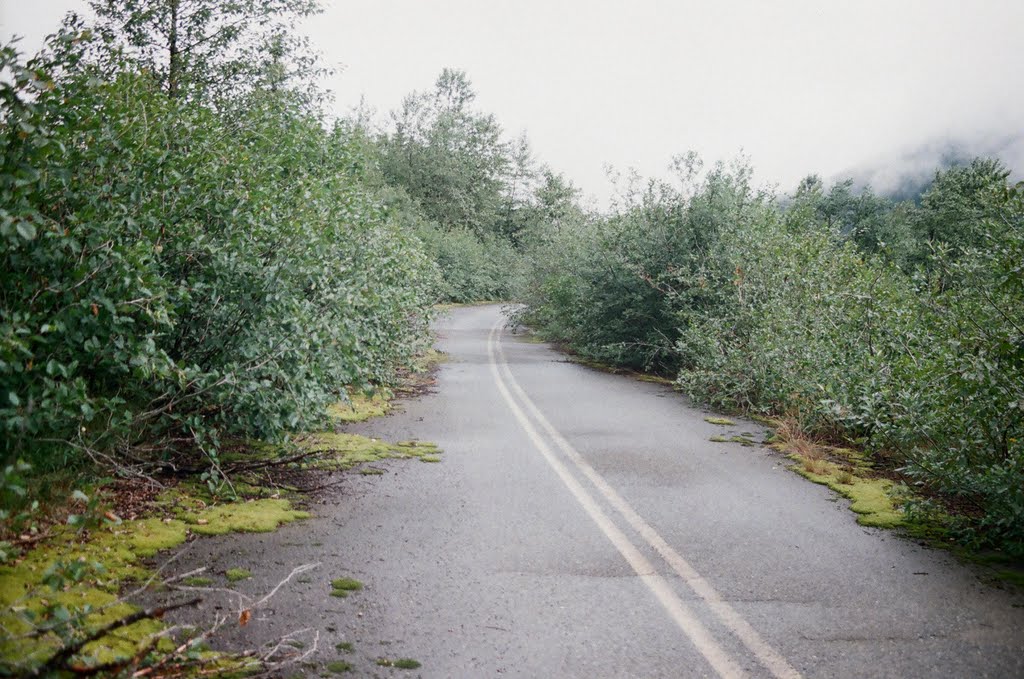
pixel 266 464
pixel 60 658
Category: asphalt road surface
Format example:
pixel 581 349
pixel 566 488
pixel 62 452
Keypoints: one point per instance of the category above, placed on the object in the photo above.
pixel 582 525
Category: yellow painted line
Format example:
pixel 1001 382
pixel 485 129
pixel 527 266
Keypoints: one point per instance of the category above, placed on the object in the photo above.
pixel 698 635
pixel 771 659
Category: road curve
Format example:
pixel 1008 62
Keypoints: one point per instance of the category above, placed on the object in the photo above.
pixel 582 525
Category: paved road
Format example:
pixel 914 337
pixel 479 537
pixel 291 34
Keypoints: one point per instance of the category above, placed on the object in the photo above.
pixel 582 525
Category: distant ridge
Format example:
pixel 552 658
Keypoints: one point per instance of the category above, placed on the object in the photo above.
pixel 908 174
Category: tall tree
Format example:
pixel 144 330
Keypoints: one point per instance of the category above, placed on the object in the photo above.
pixel 450 158
pixel 213 49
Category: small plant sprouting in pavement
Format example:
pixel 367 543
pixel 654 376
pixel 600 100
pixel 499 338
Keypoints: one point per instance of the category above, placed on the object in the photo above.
pixel 720 421
pixel 237 574
pixel 340 587
pixel 401 663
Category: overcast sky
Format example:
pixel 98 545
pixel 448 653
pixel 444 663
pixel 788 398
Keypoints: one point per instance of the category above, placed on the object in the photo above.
pixel 799 86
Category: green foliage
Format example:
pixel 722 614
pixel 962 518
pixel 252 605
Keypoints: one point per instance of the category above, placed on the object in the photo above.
pixel 474 199
pixel 472 268
pixel 449 158
pixel 602 284
pixel 170 274
pixel 209 49
pixel 895 327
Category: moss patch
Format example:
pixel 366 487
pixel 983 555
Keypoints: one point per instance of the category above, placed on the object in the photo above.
pixel 78 579
pixel 237 574
pixel 197 582
pixel 870 498
pixel 401 663
pixel 149 536
pixel 742 440
pixel 721 421
pixel 342 587
pixel 346 583
pixel 420 449
pixel 360 406
pixel 338 666
pixel 345 451
pixel 344 646
pixel 70 588
pixel 255 516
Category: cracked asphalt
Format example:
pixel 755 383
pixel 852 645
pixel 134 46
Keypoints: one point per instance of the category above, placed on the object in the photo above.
pixel 581 524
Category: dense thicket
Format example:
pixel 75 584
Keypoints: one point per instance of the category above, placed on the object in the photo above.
pixel 895 326
pixel 173 271
pixel 472 195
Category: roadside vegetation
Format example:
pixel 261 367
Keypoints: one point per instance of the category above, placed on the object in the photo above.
pixel 203 276
pixel 894 328
pixel 192 253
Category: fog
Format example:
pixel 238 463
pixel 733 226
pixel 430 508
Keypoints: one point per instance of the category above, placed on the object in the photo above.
pixel 876 89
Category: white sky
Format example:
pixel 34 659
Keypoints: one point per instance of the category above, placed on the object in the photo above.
pixel 798 85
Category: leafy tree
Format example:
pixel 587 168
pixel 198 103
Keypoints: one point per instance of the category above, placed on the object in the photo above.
pixel 956 208
pixel 448 157
pixel 520 184
pixel 210 48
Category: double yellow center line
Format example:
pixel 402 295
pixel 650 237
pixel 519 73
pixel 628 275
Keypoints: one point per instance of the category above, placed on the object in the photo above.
pixel 523 409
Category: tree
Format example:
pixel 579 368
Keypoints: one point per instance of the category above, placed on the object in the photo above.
pixel 954 209
pixel 210 48
pixel 448 157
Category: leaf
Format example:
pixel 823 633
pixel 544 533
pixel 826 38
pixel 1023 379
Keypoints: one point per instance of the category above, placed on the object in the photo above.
pixel 243 619
pixel 26 230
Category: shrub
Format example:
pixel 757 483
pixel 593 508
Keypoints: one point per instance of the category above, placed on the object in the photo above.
pixel 171 273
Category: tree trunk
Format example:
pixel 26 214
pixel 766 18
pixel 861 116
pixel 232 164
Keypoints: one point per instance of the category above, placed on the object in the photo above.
pixel 174 69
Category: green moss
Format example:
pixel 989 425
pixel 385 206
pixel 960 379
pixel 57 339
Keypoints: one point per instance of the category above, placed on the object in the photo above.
pixel 360 407
pixel 149 536
pixel 346 584
pixel 345 451
pixel 1014 576
pixel 344 646
pixel 869 498
pixel 340 593
pixel 418 449
pixel 120 645
pixel 430 458
pixel 338 666
pixel 766 421
pixel 197 582
pixel 401 663
pixel 255 516
pixel 721 421
pixel 371 471
pixel 742 440
pixel 89 595
pixel 237 574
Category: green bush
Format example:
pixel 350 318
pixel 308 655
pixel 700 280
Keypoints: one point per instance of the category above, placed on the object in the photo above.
pixel 172 274
pixel 781 311
pixel 472 268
